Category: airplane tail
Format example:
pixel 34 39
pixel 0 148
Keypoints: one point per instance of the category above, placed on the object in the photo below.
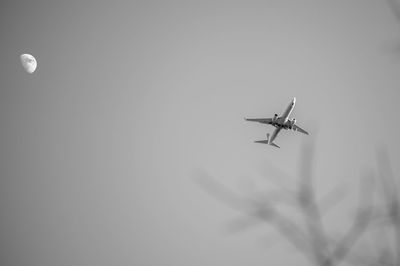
pixel 267 142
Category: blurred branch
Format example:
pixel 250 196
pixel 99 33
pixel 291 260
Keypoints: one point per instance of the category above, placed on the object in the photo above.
pixel 310 237
pixel 363 218
pixel 261 210
pixel 394 6
pixel 311 212
pixel 390 194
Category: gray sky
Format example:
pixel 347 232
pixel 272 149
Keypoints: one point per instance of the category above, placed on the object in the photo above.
pixel 98 148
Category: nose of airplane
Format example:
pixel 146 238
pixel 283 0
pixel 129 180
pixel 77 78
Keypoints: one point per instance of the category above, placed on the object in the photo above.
pixel 294 100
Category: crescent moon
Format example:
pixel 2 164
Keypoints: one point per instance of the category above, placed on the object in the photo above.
pixel 28 62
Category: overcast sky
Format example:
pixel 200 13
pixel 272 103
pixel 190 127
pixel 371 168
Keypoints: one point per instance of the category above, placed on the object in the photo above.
pixel 130 99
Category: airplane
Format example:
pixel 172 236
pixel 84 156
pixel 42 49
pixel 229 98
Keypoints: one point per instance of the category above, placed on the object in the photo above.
pixel 279 122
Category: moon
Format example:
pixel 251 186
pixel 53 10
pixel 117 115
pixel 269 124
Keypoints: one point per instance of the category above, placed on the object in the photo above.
pixel 29 63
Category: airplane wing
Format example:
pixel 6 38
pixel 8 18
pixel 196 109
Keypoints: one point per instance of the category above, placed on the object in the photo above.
pixel 297 128
pixel 260 120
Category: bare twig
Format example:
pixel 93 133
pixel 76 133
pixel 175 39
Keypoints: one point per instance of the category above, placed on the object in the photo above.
pixel 311 240
pixel 308 204
pixel 391 197
pixel 363 218
pixel 262 210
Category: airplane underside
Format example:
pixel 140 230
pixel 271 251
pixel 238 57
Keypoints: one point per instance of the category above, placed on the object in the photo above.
pixel 282 126
pixel 279 122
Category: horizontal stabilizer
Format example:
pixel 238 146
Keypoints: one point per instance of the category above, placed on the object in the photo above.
pixel 266 142
pixel 273 144
pixel 262 141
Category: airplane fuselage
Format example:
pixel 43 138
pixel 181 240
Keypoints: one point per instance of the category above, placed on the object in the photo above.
pixel 288 110
pixel 283 121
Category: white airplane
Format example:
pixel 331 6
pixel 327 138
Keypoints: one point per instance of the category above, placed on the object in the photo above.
pixel 282 122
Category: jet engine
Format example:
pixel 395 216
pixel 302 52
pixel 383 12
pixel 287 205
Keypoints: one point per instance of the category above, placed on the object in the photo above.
pixel 292 123
pixel 275 117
